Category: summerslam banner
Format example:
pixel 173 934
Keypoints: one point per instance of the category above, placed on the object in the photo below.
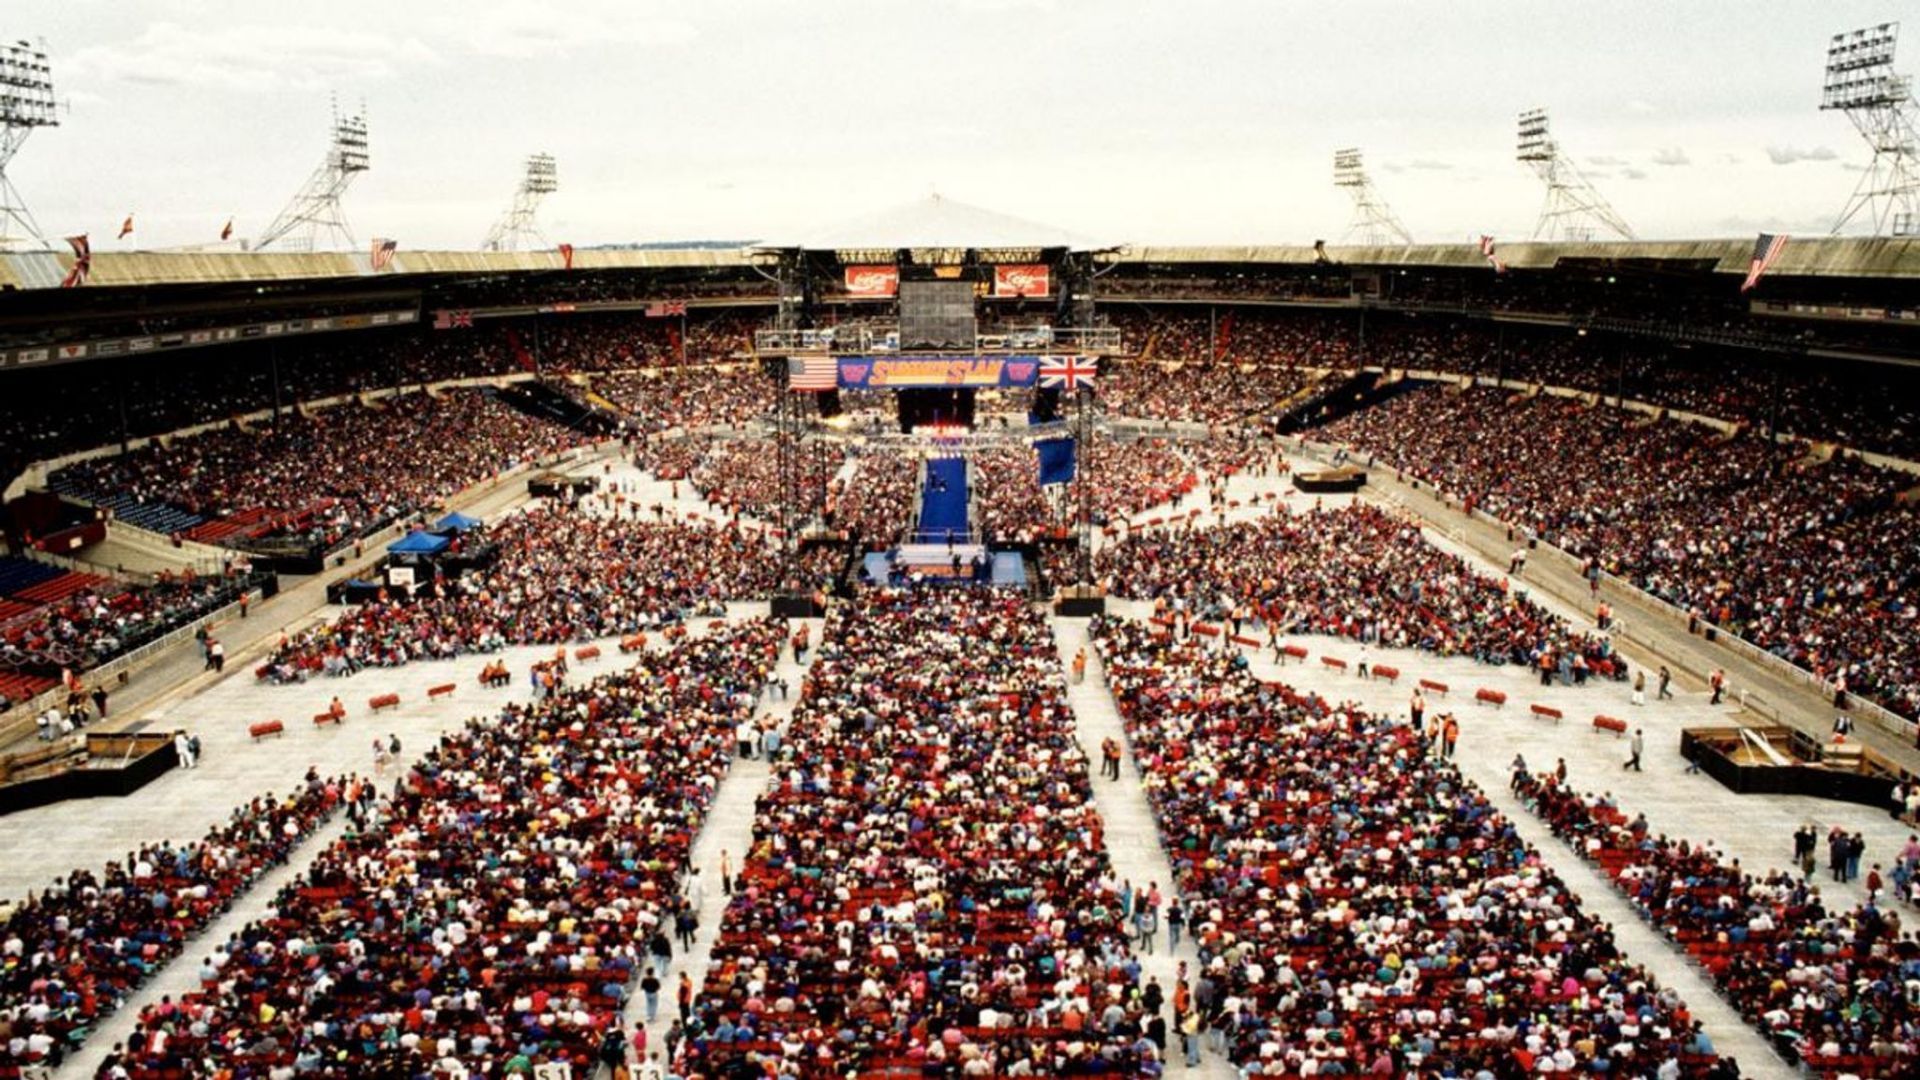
pixel 889 372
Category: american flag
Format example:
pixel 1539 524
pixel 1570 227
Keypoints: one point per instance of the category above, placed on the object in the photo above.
pixel 1486 250
pixel 383 250
pixel 126 228
pixel 812 373
pixel 566 255
pixel 1069 372
pixel 82 262
pixel 1765 250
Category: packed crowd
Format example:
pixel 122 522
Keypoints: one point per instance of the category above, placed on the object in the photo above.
pixel 690 397
pixel 1357 572
pixel 1831 987
pixel 876 500
pixel 501 904
pixel 1809 559
pixel 72 953
pixel 927 888
pixel 1218 393
pixel 561 574
pixel 1358 906
pixel 742 476
pixel 335 475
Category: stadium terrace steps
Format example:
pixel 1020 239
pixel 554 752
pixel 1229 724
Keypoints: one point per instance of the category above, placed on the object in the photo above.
pixel 58 588
pixel 18 575
pixel 219 529
pixel 160 517
pixel 18 686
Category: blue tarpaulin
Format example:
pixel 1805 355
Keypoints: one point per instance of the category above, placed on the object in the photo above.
pixel 459 522
pixel 419 543
pixel 1056 460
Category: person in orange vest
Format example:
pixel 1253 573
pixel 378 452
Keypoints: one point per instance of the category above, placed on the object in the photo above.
pixel 1449 735
pixel 1080 665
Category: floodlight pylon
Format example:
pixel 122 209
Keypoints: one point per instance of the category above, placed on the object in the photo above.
pixel 26 103
pixel 517 228
pixel 1573 207
pixel 1861 82
pixel 1373 219
pixel 314 218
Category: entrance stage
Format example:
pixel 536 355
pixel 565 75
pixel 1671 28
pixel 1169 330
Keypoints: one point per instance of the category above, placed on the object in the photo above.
pixel 934 562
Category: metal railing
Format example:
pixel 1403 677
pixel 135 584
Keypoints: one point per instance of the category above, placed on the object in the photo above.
pixel 19 720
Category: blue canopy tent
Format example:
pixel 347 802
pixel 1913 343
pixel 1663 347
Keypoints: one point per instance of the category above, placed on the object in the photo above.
pixel 458 522
pixel 419 543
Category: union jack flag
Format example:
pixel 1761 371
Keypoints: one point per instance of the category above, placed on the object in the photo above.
pixel 1069 372
pixel 1486 250
pixel 812 373
pixel 383 250
pixel 1766 249
pixel 82 262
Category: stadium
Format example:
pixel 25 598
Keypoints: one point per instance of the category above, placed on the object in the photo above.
pixel 927 641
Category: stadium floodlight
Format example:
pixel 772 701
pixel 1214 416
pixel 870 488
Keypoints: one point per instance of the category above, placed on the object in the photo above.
pixel 1573 207
pixel 1373 220
pixel 26 102
pixel 1860 81
pixel 517 227
pixel 314 216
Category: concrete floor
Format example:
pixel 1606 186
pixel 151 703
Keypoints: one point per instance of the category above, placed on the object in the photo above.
pixel 39 844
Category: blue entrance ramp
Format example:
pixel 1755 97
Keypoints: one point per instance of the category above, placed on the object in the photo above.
pixel 943 501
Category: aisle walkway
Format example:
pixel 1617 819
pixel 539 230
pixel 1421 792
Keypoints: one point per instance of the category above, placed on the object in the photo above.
pixel 728 828
pixel 1487 742
pixel 1132 838
pixel 182 975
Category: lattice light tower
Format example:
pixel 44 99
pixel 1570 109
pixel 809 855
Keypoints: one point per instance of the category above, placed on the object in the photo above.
pixel 1373 219
pixel 314 216
pixel 1573 208
pixel 26 102
pixel 517 228
pixel 1861 83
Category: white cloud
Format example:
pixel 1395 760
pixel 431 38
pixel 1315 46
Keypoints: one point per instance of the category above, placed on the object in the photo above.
pixel 1431 165
pixel 1787 155
pixel 1606 161
pixel 1633 174
pixel 1640 107
pixel 1671 156
pixel 529 31
pixel 248 59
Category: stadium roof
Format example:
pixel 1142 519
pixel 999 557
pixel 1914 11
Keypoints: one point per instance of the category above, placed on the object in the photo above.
pixel 1809 256
pixel 937 222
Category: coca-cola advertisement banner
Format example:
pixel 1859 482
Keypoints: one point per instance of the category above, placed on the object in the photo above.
pixel 1020 280
pixel 873 280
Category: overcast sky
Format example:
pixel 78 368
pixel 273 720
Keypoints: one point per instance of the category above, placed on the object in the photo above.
pixel 1186 121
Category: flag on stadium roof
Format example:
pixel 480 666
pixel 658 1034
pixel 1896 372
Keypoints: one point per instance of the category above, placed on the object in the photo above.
pixel 566 255
pixel 226 231
pixel 812 373
pixel 1765 250
pixel 82 262
pixel 383 250
pixel 1486 249
pixel 126 228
